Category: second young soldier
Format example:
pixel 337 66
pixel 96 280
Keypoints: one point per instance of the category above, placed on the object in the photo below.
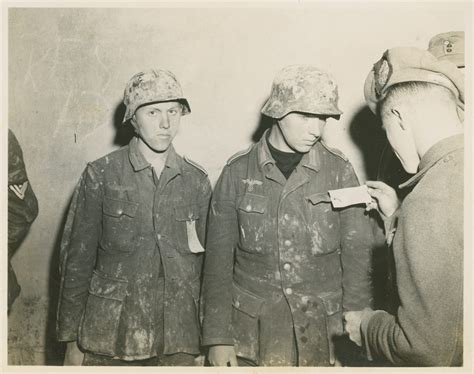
pixel 282 264
pixel 131 250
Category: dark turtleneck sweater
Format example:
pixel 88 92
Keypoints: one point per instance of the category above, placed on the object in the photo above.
pixel 285 161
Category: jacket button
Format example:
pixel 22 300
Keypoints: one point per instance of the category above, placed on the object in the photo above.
pixel 289 291
pixel 286 216
pixel 120 211
pixel 287 266
pixel 287 243
pixel 248 208
pixel 237 304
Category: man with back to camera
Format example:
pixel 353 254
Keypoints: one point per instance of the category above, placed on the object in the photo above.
pixel 131 252
pixel 418 99
pixel 281 263
pixel 447 46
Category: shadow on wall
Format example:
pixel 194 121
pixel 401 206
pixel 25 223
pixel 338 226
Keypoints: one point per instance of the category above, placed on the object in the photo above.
pixel 124 131
pixel 366 132
pixel 264 124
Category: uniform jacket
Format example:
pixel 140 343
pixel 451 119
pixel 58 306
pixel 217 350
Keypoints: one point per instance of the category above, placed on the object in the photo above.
pixel 270 238
pixel 22 209
pixel 428 248
pixel 121 221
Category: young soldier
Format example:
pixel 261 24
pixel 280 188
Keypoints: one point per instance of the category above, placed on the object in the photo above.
pixel 281 263
pixel 418 98
pixel 131 250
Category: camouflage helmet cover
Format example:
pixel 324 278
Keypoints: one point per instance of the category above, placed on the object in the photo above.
pixel 152 86
pixel 302 88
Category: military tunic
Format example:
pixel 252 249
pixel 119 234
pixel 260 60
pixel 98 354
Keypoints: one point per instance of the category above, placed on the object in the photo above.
pixel 272 242
pixel 22 209
pixel 123 221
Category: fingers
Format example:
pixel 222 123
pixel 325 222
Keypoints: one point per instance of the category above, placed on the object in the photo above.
pixel 377 184
pixel 233 360
pixel 371 206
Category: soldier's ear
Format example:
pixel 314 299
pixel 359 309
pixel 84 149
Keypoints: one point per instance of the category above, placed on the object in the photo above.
pixel 133 121
pixel 398 116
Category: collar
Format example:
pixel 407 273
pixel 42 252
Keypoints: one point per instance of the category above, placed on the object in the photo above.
pixel 310 159
pixel 139 162
pixel 136 158
pixel 433 155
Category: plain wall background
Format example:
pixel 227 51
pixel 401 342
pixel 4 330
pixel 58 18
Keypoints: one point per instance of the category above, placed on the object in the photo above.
pixel 68 68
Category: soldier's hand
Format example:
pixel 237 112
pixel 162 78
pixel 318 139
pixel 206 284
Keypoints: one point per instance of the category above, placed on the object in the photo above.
pixel 353 320
pixel 384 197
pixel 74 355
pixel 222 355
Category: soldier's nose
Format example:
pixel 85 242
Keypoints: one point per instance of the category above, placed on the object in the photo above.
pixel 164 124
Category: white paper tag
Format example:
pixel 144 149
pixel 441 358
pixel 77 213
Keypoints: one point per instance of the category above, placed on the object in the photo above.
pixel 193 240
pixel 350 196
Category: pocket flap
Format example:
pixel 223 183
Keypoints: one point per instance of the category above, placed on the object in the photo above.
pixel 332 302
pixel 116 208
pixel 253 203
pixel 187 212
pixel 108 288
pixel 321 197
pixel 246 302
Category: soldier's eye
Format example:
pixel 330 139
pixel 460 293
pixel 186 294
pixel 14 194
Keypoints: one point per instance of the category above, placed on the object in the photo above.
pixel 172 112
pixel 152 113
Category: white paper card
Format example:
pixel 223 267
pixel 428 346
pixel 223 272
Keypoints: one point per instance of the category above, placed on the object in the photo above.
pixel 193 240
pixel 349 196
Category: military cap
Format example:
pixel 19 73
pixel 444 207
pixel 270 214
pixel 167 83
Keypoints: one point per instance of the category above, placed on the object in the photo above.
pixel 409 64
pixel 302 88
pixel 152 86
pixel 448 46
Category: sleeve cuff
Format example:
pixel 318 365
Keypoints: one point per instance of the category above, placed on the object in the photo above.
pixel 364 324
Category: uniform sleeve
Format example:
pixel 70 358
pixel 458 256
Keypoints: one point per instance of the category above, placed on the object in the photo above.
pixel 427 328
pixel 219 262
pixel 78 252
pixel 21 211
pixel 357 243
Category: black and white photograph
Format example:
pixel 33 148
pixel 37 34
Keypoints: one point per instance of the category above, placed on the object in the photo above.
pixel 233 184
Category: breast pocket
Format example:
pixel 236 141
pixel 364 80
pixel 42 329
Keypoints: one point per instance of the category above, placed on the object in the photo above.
pixel 252 213
pixel 323 224
pixel 119 225
pixel 187 220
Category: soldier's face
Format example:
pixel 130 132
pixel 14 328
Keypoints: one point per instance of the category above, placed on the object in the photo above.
pixel 402 141
pixel 301 131
pixel 157 124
